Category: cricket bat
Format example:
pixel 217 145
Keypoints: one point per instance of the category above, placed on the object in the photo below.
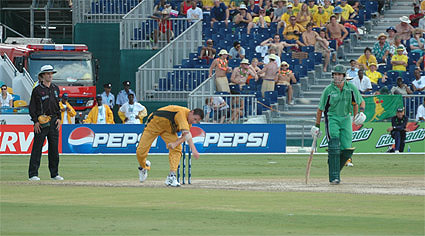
pixel 310 159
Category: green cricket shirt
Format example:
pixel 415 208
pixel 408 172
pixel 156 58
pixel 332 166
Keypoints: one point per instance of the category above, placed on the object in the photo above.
pixel 338 102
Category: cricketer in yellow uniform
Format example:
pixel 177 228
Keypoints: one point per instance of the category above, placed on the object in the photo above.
pixel 338 100
pixel 166 122
pixel 65 107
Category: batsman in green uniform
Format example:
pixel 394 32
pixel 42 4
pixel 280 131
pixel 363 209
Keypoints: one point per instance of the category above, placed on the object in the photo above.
pixel 337 102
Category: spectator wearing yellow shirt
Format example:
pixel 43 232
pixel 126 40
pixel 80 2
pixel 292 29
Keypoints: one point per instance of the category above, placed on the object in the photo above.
pixel 347 11
pixel 293 31
pixel 296 7
pixel 399 60
pixel 374 75
pixel 261 21
pixel 312 7
pixel 321 18
pixel 328 8
pixel 208 4
pixel 67 111
pixel 366 59
pixel 284 20
pixel 423 7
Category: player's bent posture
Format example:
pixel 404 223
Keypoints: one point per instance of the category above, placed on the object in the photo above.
pixel 337 101
pixel 166 122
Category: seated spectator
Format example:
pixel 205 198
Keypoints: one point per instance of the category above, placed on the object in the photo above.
pixel 399 61
pixel 221 67
pixel 268 7
pixel 401 88
pixel 381 49
pixel 312 7
pixel 100 113
pixel 194 12
pixel 420 113
pixel 296 6
pixel 366 59
pixel 420 63
pixel 398 130
pixel 353 71
pixel 208 52
pixel 219 13
pixel 418 84
pixel 279 11
pixel 328 8
pixel 277 44
pixel 417 42
pixel 220 109
pixel 304 16
pixel 268 73
pixel 286 77
pixel 337 32
pixel 404 29
pixel 391 31
pixel 243 18
pixel 284 19
pixel 362 82
pixel 6 99
pixel 165 28
pixel 234 4
pixel 185 6
pixel 322 46
pixel 162 5
pixel 414 18
pixel 397 43
pixel 260 21
pixel 348 12
pixel 272 53
pixel 237 51
pixel 321 17
pixel 310 37
pixel 293 31
pixel 374 75
pixel 253 9
pixel 240 74
pixel 238 107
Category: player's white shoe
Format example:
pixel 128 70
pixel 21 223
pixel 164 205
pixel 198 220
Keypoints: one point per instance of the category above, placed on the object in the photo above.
pixel 34 178
pixel 57 177
pixel 172 181
pixel 350 164
pixel 143 173
pixel 334 182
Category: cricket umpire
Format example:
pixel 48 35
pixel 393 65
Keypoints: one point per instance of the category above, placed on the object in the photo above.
pixel 338 100
pixel 45 113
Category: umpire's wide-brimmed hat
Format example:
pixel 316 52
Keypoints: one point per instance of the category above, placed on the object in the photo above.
pixel 339 69
pixel 46 69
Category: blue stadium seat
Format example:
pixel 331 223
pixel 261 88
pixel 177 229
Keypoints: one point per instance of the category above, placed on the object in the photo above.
pixel 281 90
pixel 271 95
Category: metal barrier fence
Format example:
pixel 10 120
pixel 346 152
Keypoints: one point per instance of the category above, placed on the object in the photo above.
pixel 148 33
pixel 411 104
pixel 149 74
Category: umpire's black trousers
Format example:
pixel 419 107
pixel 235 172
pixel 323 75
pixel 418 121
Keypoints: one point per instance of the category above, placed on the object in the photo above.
pixel 52 135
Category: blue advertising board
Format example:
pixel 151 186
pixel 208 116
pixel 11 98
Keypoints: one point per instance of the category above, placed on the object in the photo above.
pixel 208 138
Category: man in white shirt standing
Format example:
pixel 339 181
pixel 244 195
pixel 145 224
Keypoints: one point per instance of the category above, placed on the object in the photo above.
pixel 420 114
pixel 195 12
pixel 362 82
pixel 132 112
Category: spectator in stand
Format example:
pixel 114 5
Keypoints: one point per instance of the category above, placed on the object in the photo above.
pixel 100 114
pixel 275 42
pixel 420 113
pixel 296 7
pixel 322 46
pixel 399 61
pixel 374 75
pixel 391 31
pixel 243 18
pixel 132 112
pixel 401 88
pixel 162 5
pixel 268 73
pixel 194 12
pixel 381 49
pixel 107 97
pixel 362 82
pixel 336 31
pixel 184 6
pixel 237 51
pixel 404 29
pixel 268 7
pixel 293 31
pixel 219 13
pixel 398 130
pixel 165 28
pixel 238 107
pixel 304 16
pixel 422 24
pixel 284 20
pixel 328 8
pixel 418 84
pixel 353 71
pixel 348 12
pixel 320 18
pixel 420 64
pixel 207 5
pixel 253 67
pixel 397 44
pixel 310 37
pixel 285 77
pixel 220 109
pixel 208 52
pixel 414 18
pixel 234 4
pixel 417 42
pixel 312 7
pixel 253 9
pixel 272 54
pixel 240 74
pixel 366 59
pixel 67 111
pixel 423 7
pixel 260 21
pixel 338 14
pixel 279 11
pixel 221 67
pixel 6 99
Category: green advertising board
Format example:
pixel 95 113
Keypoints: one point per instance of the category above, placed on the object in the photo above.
pixel 374 137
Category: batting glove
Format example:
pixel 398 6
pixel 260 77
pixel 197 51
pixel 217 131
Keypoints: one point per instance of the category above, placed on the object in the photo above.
pixel 315 131
pixel 359 119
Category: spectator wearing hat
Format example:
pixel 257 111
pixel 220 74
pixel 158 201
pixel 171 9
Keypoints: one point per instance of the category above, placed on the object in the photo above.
pixel 6 99
pixel 404 29
pixel 420 113
pixel 336 31
pixel 285 77
pixel 401 88
pixel 100 113
pixel 399 60
pixel 398 130
pixel 418 84
pixel 122 96
pixel 338 14
pixel 107 97
pixel 362 82
pixel 414 18
pixel 194 13
pixel 219 13
pixel 67 111
pixel 271 53
pixel 417 42
pixel 397 43
pixel 132 112
pixel 221 67
pixel 268 73
pixel 391 31
pixel 284 19
pixel 243 18
pixel 381 49
pixel 375 75
pixel 208 52
pixel 260 21
pixel 45 113
pixel 293 31
pixel 165 27
pixel 321 17
pixel 366 59
pixel 237 51
pixel 240 74
pixel 280 10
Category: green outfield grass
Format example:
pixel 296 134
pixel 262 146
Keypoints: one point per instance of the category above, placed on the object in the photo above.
pixel 46 209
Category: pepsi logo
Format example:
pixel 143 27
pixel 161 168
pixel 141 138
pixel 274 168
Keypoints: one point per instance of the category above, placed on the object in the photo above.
pixel 81 139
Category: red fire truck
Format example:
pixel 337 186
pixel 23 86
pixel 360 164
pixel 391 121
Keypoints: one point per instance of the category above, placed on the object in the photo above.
pixel 75 66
